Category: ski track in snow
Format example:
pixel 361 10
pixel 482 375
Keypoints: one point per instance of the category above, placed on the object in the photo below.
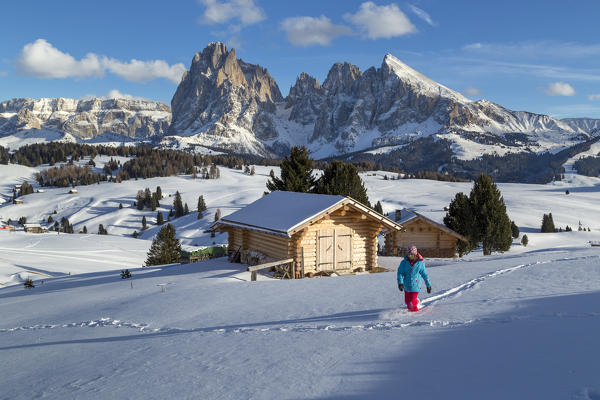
pixel 388 316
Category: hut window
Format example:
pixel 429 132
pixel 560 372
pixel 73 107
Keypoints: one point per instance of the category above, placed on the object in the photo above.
pixel 420 229
pixel 429 229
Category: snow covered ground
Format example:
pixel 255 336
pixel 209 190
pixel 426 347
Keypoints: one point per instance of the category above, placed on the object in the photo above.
pixel 523 324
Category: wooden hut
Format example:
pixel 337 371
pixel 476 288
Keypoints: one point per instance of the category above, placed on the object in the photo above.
pixel 431 238
pixel 34 228
pixel 319 232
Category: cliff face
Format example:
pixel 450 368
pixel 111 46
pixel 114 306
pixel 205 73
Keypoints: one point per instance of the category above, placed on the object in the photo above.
pixel 226 101
pixel 86 119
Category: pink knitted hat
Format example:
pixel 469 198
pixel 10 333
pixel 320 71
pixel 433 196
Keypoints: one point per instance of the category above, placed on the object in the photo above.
pixel 413 250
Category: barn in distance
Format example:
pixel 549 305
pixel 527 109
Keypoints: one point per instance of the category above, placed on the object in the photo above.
pixel 431 238
pixel 318 232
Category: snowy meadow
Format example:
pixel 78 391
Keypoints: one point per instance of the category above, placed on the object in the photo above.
pixel 521 324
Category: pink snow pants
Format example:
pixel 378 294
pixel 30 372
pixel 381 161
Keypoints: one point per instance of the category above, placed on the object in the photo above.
pixel 411 300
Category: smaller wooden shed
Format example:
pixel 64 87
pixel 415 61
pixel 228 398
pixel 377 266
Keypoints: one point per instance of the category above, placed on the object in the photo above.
pixel 319 232
pixel 34 228
pixel 431 238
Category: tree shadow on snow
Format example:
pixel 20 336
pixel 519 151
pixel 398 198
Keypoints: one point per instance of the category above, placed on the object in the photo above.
pixel 209 269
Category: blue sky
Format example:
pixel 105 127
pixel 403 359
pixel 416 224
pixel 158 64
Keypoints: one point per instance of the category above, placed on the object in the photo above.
pixel 542 57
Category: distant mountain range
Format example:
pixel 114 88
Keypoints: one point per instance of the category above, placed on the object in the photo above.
pixel 227 104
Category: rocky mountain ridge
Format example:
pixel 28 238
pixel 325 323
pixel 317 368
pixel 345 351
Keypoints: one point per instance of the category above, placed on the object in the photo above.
pixel 351 111
pixel 85 119
pixel 223 102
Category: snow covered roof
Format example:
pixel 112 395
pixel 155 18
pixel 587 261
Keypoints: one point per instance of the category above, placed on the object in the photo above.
pixel 281 213
pixel 408 216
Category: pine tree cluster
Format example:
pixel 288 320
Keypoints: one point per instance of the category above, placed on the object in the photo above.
pixel 481 217
pixel 148 199
pixel 338 178
pixel 69 175
pixel 548 224
pixel 102 230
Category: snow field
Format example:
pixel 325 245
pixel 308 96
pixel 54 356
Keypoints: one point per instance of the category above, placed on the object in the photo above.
pixel 516 325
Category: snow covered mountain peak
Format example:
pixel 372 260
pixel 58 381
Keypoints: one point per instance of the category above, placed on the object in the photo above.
pixel 392 65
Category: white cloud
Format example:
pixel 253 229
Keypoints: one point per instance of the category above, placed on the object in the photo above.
pixel 42 60
pixel 559 89
pixel 144 71
pixel 245 11
pixel 593 97
pixel 381 21
pixel 472 92
pixel 306 31
pixel 422 14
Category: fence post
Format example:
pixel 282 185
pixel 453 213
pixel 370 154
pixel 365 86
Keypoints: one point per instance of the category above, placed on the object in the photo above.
pixel 302 262
pixel 253 276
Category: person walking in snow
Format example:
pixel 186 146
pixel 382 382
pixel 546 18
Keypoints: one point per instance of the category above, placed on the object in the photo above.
pixel 410 270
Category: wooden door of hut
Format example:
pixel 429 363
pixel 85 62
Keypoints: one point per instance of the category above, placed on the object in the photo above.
pixel 334 249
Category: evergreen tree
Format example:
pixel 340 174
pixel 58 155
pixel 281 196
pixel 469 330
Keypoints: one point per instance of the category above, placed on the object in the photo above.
pixel 23 220
pixel 460 219
pixel 296 173
pixel 84 229
pixel 148 199
pixel 50 219
pixel 178 205
pixel 493 224
pixel 120 206
pixel 140 200
pixel 547 224
pixel 165 248
pixel 144 223
pixel 186 209
pixel 247 170
pixel 155 201
pixel 135 234
pixel 567 191
pixel 515 229
pixel 340 178
pixel 378 207
pixel 159 192
pixel 568 229
pixel 101 230
pixel 201 206
pixel 524 240
pixel 159 218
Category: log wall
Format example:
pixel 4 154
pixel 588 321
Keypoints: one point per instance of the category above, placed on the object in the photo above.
pixel 429 239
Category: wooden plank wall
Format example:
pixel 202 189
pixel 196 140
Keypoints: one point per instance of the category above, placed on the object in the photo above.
pixel 429 239
pixel 364 239
pixel 276 247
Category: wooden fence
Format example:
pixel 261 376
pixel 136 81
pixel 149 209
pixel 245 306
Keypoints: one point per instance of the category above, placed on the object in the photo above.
pixel 286 267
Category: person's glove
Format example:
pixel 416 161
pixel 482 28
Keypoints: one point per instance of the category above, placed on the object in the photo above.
pixel 428 289
pixel 401 286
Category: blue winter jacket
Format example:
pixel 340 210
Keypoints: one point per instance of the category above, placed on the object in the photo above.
pixel 409 275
